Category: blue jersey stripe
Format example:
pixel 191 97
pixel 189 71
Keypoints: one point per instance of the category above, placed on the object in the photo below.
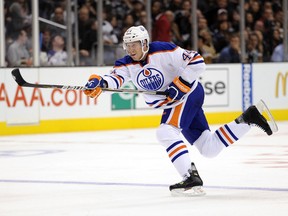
pixel 165 115
pixel 173 145
pixel 115 80
pixel 178 155
pixel 221 138
pixel 231 133
pixel 197 62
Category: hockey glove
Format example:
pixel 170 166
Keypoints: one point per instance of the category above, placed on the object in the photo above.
pixel 94 86
pixel 177 89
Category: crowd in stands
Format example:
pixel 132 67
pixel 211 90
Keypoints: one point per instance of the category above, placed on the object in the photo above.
pixel 217 21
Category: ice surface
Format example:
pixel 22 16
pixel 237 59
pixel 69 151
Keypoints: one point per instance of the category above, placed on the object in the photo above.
pixel 128 173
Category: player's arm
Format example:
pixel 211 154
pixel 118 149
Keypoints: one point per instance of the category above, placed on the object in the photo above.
pixel 119 74
pixel 191 64
pixel 114 80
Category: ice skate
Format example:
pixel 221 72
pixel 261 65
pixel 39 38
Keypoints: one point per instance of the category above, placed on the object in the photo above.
pixel 253 116
pixel 190 186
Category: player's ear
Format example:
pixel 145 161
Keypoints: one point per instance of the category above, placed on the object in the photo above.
pixel 146 44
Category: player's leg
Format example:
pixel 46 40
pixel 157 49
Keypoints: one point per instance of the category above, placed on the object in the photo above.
pixel 172 121
pixel 210 144
pixel 169 136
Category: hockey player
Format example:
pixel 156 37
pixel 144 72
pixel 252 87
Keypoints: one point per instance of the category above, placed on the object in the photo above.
pixel 166 67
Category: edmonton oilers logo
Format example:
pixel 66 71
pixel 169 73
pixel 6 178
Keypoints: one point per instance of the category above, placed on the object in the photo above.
pixel 150 79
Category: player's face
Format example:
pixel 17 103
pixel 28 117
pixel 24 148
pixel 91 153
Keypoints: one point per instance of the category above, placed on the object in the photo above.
pixel 134 49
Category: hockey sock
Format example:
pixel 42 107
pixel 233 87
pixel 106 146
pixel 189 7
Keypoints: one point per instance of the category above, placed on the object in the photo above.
pixel 231 132
pixel 179 156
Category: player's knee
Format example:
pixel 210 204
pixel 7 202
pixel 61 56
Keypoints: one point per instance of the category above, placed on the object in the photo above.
pixel 208 153
pixel 161 133
pixel 208 145
pixel 167 134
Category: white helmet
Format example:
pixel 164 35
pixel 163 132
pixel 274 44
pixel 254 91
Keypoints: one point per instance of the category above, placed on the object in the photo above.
pixel 136 33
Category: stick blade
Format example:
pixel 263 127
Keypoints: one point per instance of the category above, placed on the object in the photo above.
pixel 18 77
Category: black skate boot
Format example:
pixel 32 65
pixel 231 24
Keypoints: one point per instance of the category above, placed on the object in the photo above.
pixel 190 186
pixel 253 117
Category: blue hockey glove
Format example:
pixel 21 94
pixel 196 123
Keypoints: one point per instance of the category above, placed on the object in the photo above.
pixel 177 89
pixel 94 86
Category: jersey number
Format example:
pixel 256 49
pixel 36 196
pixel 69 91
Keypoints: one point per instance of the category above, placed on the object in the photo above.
pixel 186 55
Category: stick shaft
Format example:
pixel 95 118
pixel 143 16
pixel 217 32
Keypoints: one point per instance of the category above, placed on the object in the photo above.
pixel 21 82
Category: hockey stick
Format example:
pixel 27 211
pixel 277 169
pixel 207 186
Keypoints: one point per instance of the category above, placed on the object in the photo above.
pixel 21 82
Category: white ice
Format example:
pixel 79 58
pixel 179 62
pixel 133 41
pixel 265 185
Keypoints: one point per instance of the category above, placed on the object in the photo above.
pixel 126 172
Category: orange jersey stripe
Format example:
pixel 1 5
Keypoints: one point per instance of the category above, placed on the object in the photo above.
pixel 175 116
pixel 119 79
pixel 176 150
pixel 196 57
pixel 225 134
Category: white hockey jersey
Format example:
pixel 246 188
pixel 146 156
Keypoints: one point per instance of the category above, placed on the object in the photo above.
pixel 164 62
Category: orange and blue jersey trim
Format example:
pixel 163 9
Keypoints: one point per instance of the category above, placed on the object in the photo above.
pixel 226 135
pixel 176 150
pixel 197 58
pixel 160 103
pixel 118 79
pixel 172 116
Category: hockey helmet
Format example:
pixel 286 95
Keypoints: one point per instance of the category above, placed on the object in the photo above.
pixel 136 33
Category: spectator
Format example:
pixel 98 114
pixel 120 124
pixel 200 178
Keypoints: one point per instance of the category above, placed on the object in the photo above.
pixel 84 24
pixel 110 40
pixel 254 48
pixel 87 48
pixel 183 19
pixel 222 15
pixel 249 21
pixel 128 22
pixel 202 24
pixel 209 53
pixel 175 5
pixel 221 36
pixel 143 18
pixel 268 20
pixel 20 17
pixel 215 12
pixel 235 21
pixel 175 33
pixel 116 28
pixel 137 7
pixel 91 5
pixel 46 8
pixel 278 54
pixel 231 53
pixel 57 56
pixel 255 9
pixel 45 38
pixel 58 16
pixel 161 26
pixel 18 54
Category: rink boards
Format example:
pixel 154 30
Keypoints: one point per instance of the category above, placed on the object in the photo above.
pixel 229 89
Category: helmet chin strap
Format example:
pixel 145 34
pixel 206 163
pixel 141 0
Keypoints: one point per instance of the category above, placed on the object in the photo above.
pixel 144 52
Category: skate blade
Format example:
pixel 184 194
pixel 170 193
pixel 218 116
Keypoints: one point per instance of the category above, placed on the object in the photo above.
pixel 194 191
pixel 263 109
